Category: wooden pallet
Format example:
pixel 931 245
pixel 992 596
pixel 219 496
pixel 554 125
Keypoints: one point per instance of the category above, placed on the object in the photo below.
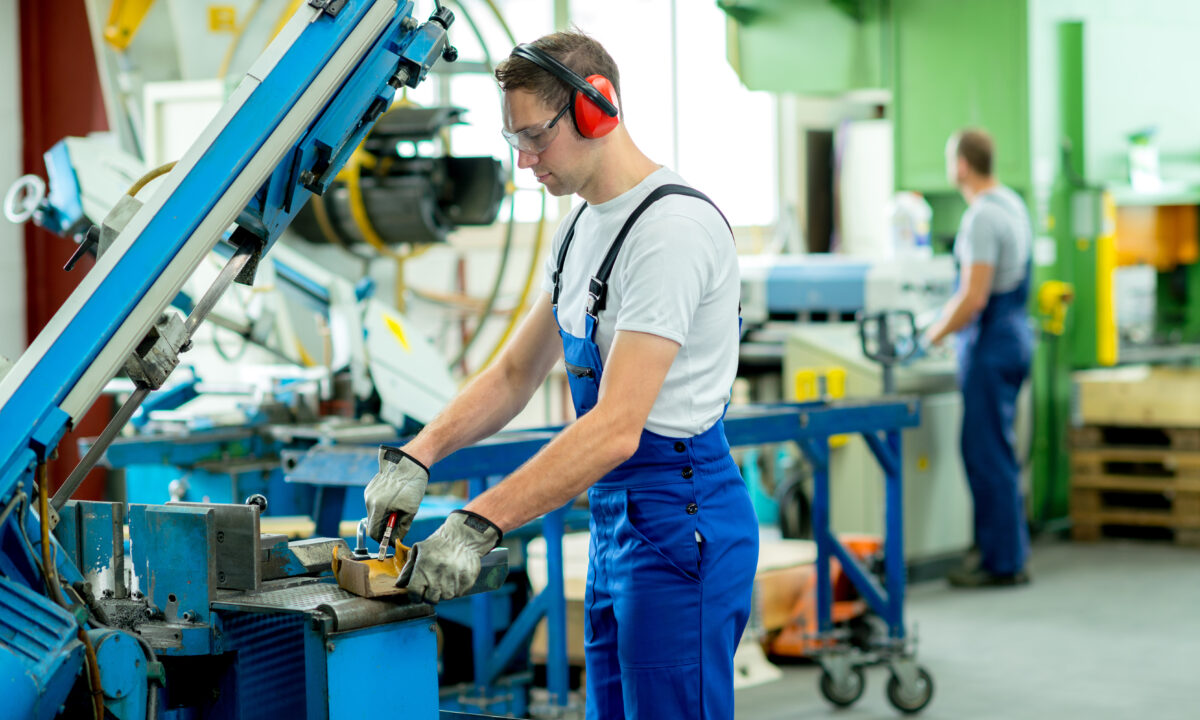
pixel 1130 478
pixel 1125 436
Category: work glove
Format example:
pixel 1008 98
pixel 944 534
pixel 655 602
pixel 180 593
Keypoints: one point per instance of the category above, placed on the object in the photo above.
pixel 398 487
pixel 911 349
pixel 446 564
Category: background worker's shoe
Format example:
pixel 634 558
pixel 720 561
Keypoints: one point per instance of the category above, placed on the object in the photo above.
pixel 978 577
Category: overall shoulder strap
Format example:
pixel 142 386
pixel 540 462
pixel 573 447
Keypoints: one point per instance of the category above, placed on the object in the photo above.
pixel 562 255
pixel 598 286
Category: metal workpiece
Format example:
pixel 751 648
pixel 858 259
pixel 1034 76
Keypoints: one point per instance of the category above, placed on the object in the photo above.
pixel 282 559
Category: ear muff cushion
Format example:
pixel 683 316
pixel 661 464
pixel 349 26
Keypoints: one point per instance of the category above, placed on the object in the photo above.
pixel 590 120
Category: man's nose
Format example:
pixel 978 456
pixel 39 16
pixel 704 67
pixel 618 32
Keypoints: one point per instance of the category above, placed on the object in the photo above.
pixel 526 159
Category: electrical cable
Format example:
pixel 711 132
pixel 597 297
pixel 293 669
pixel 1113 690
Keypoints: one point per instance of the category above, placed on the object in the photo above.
pixel 236 41
pixel 16 499
pixel 515 316
pixel 141 182
pixel 49 576
pixel 512 217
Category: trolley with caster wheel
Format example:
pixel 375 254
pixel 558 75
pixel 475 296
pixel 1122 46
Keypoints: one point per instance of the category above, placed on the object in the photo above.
pixel 843 657
pixel 889 338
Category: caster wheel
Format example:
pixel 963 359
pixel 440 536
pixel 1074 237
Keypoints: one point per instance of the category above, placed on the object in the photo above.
pixel 848 692
pixel 914 699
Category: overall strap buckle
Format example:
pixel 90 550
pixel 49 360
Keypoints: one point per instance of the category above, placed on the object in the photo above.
pixel 597 290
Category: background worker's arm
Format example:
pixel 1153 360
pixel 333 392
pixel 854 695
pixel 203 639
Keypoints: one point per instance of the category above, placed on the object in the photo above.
pixel 589 448
pixel 485 406
pixel 974 289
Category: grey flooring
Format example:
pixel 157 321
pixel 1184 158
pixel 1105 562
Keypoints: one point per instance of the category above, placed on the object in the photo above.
pixel 1105 630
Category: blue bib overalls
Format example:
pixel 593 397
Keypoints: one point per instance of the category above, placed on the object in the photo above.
pixel 994 354
pixel 674 547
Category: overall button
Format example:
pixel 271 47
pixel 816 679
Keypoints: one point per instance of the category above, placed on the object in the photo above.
pixel 692 508
pixel 687 472
pixel 680 447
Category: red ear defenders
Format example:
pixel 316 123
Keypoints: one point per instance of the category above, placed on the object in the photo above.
pixel 593 106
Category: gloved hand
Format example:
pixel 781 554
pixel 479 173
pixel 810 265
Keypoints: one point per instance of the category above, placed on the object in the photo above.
pixel 446 564
pixel 910 349
pixel 397 487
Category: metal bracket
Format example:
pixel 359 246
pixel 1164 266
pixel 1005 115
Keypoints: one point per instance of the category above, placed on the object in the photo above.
pixel 331 7
pixel 237 544
pixel 158 353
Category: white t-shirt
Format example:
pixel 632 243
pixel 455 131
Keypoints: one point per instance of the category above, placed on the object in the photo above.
pixel 676 276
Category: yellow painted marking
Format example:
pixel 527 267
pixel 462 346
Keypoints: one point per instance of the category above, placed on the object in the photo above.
pixel 398 330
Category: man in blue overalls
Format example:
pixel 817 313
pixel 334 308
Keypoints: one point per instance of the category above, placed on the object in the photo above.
pixel 641 303
pixel 995 347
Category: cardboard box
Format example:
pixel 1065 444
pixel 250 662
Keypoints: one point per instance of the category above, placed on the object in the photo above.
pixel 1139 396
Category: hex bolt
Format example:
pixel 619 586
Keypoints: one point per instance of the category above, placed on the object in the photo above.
pixel 409 23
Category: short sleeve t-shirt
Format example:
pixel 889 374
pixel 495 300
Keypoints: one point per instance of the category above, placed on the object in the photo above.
pixel 676 277
pixel 996 231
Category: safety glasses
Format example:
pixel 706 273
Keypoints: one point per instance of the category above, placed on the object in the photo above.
pixel 534 140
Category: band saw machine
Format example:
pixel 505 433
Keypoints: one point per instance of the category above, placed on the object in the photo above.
pixel 196 613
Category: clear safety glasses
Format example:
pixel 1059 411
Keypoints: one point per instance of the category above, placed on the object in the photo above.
pixel 534 140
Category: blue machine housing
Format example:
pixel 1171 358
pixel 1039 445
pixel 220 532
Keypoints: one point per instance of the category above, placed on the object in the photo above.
pixel 39 654
pixel 210 598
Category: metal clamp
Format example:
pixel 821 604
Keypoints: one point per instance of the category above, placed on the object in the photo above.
pixel 330 7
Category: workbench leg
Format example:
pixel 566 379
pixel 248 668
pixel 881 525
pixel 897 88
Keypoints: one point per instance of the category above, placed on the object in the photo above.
pixel 817 451
pixel 894 538
pixel 557 679
pixel 328 505
pixel 483 635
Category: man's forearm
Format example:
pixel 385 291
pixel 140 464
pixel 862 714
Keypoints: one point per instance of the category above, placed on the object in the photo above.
pixel 482 409
pixel 958 313
pixel 579 456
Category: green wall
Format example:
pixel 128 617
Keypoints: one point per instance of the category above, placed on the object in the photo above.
pixel 1140 67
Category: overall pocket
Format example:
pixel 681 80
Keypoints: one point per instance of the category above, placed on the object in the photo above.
pixel 664 519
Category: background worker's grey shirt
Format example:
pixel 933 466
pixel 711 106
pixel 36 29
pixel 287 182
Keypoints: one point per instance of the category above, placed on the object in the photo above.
pixel 996 231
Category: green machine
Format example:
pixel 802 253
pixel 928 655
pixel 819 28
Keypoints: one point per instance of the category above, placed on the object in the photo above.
pixel 1076 267
pixel 917 51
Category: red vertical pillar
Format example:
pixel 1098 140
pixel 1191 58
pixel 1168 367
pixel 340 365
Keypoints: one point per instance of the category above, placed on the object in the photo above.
pixel 60 96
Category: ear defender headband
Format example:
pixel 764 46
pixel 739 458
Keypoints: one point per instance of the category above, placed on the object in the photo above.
pixel 593 106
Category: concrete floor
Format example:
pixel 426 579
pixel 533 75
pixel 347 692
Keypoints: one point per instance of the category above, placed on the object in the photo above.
pixel 1105 630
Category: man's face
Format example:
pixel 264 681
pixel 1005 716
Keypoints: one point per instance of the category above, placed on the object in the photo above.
pixel 559 163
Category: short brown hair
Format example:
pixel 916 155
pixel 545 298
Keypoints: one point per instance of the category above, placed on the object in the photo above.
pixel 976 147
pixel 574 49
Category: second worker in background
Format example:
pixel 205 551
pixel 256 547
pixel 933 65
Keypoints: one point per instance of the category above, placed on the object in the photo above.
pixel 641 303
pixel 995 348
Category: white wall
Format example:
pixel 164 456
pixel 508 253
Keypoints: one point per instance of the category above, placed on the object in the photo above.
pixel 12 244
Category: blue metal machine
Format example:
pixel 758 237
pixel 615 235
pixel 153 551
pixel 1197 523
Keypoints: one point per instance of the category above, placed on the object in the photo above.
pixel 810 425
pixel 197 613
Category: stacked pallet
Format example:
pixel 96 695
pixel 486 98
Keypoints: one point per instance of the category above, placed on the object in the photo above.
pixel 1135 461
